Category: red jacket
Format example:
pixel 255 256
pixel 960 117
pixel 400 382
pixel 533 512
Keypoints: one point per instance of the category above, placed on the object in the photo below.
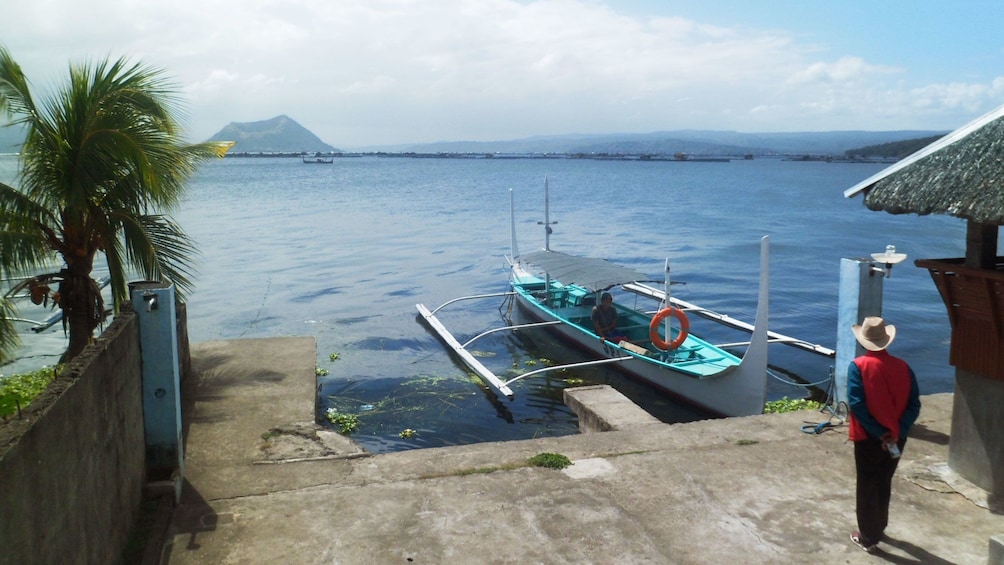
pixel 883 396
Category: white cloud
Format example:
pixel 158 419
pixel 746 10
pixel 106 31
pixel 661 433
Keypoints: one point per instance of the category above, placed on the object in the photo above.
pixel 846 70
pixel 385 71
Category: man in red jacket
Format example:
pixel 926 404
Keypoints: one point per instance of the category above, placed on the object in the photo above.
pixel 884 402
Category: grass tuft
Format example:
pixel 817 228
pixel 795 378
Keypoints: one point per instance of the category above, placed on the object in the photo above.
pixel 16 391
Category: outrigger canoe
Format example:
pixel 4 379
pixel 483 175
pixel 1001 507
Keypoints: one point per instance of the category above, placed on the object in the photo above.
pixel 559 291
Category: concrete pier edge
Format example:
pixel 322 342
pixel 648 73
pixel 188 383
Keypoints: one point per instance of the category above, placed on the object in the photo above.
pixel 702 492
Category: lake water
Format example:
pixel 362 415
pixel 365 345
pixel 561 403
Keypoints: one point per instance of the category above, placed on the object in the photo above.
pixel 343 253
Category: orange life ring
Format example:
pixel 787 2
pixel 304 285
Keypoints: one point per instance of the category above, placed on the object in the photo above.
pixel 653 328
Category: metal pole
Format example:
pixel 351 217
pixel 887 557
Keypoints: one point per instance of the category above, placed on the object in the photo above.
pixel 860 296
pixel 667 303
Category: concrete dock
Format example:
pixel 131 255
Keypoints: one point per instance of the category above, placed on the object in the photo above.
pixel 264 485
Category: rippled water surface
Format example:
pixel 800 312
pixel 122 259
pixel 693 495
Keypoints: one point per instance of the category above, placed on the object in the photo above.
pixel 343 253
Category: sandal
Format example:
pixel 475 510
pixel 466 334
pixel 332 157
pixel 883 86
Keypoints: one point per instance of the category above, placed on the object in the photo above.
pixel 856 538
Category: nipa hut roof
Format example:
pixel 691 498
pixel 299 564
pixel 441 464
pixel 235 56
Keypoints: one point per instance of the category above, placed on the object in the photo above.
pixel 961 174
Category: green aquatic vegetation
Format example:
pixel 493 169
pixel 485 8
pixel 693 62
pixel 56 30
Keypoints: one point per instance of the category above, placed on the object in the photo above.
pixel 421 394
pixel 407 433
pixel 549 460
pixel 426 381
pixel 574 381
pixel 347 423
pixel 786 404
pixel 16 391
pixel 320 372
pixel 530 362
pixel 333 357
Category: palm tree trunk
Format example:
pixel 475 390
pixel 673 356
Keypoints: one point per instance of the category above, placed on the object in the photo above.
pixel 83 309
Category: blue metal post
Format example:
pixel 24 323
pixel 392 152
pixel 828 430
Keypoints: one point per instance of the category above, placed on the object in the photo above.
pixel 860 296
pixel 155 311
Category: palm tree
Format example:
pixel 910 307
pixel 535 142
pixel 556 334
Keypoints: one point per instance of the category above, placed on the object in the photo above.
pixel 102 157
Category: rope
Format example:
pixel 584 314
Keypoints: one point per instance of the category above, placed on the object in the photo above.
pixel 838 412
pixel 793 383
pixel 835 420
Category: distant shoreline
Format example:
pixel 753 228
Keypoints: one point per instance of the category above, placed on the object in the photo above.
pixel 678 158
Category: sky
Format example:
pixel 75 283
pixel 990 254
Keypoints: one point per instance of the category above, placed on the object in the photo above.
pixel 369 73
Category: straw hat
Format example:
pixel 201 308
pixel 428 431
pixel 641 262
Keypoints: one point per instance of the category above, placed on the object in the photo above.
pixel 873 334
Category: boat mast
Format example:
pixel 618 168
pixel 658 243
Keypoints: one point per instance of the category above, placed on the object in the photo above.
pixel 513 247
pixel 547 240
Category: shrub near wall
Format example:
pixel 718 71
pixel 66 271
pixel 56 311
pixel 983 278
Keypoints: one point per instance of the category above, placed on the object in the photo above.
pixel 72 470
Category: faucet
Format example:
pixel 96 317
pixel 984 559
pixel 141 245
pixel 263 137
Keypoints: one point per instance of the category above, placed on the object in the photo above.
pixel 151 301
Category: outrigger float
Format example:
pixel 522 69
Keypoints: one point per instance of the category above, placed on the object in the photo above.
pixel 558 291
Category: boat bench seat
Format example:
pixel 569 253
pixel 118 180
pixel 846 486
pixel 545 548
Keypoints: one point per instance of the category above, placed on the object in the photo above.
pixel 581 297
pixel 634 348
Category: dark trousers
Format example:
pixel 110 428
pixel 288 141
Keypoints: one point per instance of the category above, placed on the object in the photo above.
pixel 875 468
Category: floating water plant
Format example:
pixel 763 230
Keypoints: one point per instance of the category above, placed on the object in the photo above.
pixel 407 433
pixel 320 372
pixel 549 460
pixel 347 423
pixel 790 405
pixel 333 357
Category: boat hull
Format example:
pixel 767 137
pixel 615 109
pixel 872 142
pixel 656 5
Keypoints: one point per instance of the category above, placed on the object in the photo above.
pixel 733 392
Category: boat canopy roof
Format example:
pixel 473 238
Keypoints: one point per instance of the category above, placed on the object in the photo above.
pixel 591 273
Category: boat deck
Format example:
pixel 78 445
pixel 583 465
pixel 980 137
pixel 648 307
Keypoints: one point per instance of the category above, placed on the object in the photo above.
pixel 573 304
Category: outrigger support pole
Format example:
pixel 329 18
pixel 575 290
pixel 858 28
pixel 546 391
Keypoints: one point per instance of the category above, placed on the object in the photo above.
pixel 475 365
pixel 569 366
pixel 471 297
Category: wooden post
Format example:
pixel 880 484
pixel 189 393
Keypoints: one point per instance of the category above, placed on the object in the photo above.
pixel 981 245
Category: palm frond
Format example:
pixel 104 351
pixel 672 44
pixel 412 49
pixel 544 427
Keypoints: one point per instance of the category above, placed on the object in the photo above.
pixel 22 243
pixel 159 249
pixel 15 96
pixel 9 339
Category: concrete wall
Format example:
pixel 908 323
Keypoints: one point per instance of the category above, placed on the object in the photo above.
pixel 72 470
pixel 976 451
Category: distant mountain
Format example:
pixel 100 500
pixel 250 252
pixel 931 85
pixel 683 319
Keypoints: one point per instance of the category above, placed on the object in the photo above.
pixel 281 134
pixel 684 141
pixel 896 149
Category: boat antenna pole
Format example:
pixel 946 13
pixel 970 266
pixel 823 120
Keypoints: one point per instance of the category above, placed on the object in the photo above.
pixel 513 247
pixel 665 292
pixel 547 223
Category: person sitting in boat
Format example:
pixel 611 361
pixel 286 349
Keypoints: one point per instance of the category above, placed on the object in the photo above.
pixel 605 319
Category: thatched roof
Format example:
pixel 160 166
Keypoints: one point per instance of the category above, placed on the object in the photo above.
pixel 961 174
